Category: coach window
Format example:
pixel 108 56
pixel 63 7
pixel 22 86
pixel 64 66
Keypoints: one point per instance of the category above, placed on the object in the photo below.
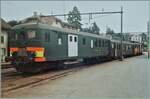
pixel 92 44
pixel 102 43
pixel 95 43
pixel 84 41
pixel 112 45
pixel 59 39
pixel 99 43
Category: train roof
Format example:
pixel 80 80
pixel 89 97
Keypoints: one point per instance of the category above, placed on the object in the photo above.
pixel 124 42
pixel 45 26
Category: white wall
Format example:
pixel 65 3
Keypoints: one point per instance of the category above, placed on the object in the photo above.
pixel 4 45
pixel 136 38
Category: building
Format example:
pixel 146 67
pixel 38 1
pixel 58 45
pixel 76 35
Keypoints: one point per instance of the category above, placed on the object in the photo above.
pixel 4 39
pixel 136 38
pixel 50 20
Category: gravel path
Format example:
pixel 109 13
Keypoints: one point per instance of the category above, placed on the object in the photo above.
pixel 116 79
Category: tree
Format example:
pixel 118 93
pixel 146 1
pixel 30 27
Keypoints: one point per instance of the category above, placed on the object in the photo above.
pixel 95 28
pixel 13 23
pixel 144 37
pixel 144 40
pixel 109 31
pixel 74 18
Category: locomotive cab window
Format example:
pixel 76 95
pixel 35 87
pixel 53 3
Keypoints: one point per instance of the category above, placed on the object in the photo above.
pixel 47 37
pixel 31 34
pixel 59 41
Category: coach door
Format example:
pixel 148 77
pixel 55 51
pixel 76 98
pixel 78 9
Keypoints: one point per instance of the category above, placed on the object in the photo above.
pixel 72 45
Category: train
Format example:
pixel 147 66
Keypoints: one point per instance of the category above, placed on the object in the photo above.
pixel 35 46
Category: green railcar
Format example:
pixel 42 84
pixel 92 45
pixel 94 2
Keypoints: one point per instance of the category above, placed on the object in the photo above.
pixel 33 44
pixel 38 43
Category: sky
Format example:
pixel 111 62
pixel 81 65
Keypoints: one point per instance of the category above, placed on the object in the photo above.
pixel 135 16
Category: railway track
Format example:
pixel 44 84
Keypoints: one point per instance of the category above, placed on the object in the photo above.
pixel 12 82
pixel 6 65
pixel 9 85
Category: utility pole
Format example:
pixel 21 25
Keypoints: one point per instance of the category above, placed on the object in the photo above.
pixel 148 36
pixel 148 31
pixel 121 50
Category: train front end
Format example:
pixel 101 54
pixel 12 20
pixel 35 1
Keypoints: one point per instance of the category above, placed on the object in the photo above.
pixel 25 48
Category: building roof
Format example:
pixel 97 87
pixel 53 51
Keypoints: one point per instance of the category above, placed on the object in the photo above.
pixel 59 20
pixel 38 17
pixel 5 25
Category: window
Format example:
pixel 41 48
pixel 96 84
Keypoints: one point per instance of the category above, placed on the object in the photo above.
pixel 3 51
pixel 112 45
pixel 102 43
pixel 92 44
pixel 2 39
pixel 13 36
pixel 59 35
pixel 31 34
pixel 59 38
pixel 22 35
pixel 59 41
pixel 70 38
pixel 96 43
pixel 84 41
pixel 75 39
pixel 105 43
pixel 99 43
pixel 47 37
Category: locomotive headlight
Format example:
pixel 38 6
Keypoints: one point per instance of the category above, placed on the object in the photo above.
pixel 36 53
pixel 13 54
pixel 39 53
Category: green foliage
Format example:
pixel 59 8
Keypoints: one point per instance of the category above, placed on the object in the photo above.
pixel 109 31
pixel 144 37
pixel 74 18
pixel 95 28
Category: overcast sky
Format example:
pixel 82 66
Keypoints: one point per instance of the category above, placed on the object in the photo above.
pixel 135 17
